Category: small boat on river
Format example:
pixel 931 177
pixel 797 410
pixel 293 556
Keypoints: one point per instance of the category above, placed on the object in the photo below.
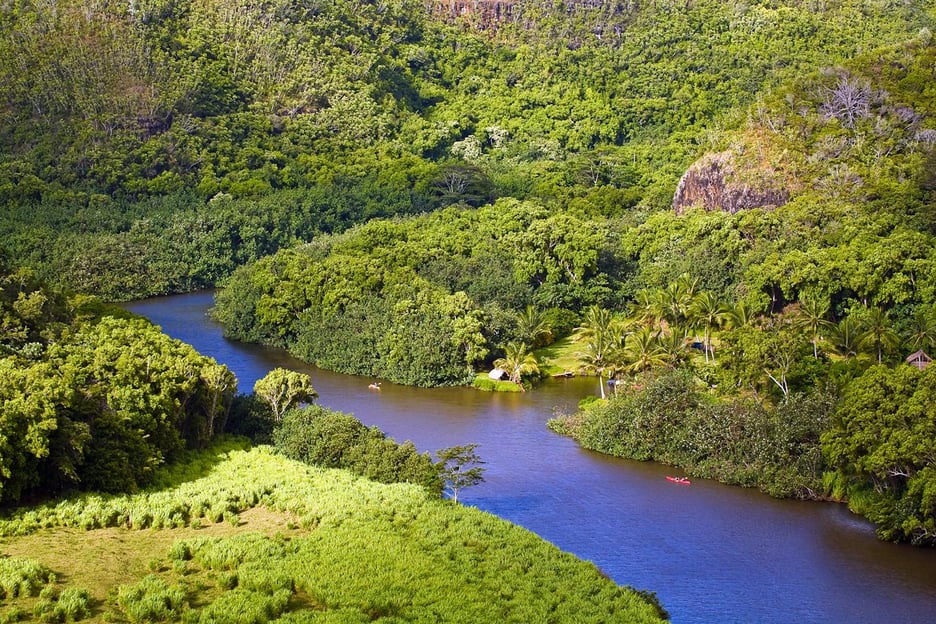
pixel 679 480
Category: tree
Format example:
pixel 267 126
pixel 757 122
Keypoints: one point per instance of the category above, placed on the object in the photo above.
pixel 283 388
pixel 602 336
pixel 811 317
pixel 921 330
pixel 642 351
pixel 882 442
pixel 878 333
pixel 459 467
pixel 517 361
pixel 707 309
pixel 220 383
pixel 845 336
pixel 533 328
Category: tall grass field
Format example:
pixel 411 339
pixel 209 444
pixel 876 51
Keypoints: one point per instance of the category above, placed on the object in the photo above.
pixel 239 534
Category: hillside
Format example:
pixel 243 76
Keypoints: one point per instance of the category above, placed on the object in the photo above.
pixel 152 147
pixel 239 535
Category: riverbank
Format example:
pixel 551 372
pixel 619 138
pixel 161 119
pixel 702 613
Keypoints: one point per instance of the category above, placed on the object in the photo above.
pixel 777 560
pixel 246 535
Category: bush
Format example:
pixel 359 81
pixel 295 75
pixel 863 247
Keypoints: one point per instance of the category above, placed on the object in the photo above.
pixel 22 577
pixel 323 437
pixel 70 606
pixel 738 441
pixel 151 600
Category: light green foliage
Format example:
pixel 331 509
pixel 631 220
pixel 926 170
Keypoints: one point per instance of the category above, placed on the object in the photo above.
pixel 22 577
pixel 283 389
pixel 70 605
pixel 376 551
pixel 151 599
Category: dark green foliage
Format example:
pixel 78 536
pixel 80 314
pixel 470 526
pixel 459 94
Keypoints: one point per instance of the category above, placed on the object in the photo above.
pixel 323 437
pixel 881 445
pixel 740 441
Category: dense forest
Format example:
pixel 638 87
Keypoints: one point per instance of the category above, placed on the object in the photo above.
pixel 729 207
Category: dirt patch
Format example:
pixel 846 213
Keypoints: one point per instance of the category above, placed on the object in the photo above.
pixel 101 559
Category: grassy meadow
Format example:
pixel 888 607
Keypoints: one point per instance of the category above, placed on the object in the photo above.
pixel 239 534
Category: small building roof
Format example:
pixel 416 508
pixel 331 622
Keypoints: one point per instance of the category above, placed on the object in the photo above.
pixel 497 373
pixel 919 359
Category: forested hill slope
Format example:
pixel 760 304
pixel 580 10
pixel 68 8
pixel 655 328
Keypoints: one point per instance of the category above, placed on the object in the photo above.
pixel 120 121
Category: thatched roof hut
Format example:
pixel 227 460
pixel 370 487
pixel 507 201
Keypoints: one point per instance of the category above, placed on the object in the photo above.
pixel 919 359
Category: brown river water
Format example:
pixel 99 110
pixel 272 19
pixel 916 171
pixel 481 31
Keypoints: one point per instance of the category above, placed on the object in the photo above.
pixel 712 553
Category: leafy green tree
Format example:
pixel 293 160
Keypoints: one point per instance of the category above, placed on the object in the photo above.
pixel 878 334
pixel 811 316
pixel 459 467
pixel 708 310
pixel 881 444
pixel 283 389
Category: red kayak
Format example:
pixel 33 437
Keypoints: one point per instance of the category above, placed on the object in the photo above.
pixel 679 480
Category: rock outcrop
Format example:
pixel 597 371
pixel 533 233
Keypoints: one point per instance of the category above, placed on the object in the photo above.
pixel 713 183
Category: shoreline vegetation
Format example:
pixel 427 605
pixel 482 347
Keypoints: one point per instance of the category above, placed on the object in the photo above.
pixel 238 534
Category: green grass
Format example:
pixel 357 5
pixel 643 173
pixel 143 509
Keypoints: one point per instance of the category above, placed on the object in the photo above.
pixel 310 545
pixel 485 383
pixel 560 357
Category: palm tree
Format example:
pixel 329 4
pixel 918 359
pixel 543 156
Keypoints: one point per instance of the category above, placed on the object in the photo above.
pixel 811 317
pixel 533 328
pixel 642 351
pixel 602 335
pixel 673 302
pixel 708 310
pixel 878 333
pixel 672 348
pixel 644 308
pixel 921 332
pixel 738 315
pixel 845 336
pixel 517 362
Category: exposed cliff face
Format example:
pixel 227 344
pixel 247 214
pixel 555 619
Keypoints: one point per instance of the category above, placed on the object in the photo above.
pixel 486 12
pixel 713 183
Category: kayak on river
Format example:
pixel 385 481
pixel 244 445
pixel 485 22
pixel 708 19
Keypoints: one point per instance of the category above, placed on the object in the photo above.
pixel 680 480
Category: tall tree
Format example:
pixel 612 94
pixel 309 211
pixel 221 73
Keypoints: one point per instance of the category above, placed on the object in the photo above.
pixel 602 335
pixel 460 467
pixel 282 389
pixel 708 311
pixel 811 316
pixel 878 334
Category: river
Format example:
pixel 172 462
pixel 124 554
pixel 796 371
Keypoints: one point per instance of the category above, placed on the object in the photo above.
pixel 712 553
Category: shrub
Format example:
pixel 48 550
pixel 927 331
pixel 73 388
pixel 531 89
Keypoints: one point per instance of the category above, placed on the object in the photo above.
pixel 22 577
pixel 151 600
pixel 324 437
pixel 71 605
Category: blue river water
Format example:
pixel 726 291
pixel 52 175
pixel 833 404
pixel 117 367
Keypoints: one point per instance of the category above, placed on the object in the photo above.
pixel 712 553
